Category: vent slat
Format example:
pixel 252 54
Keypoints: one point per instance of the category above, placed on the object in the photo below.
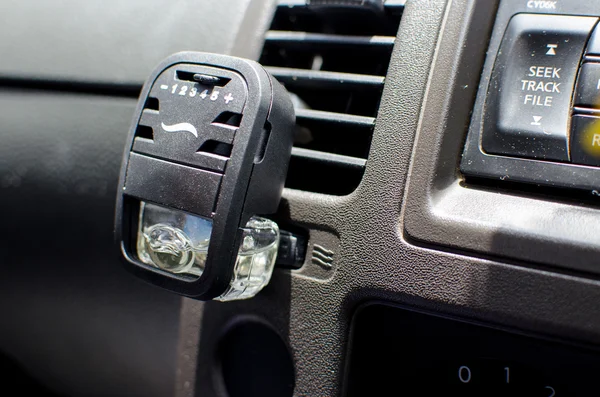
pixel 292 3
pixel 324 80
pixel 324 157
pixel 298 40
pixel 324 172
pixel 340 119
pixel 395 3
pixel 302 3
pixel 335 92
pixel 338 133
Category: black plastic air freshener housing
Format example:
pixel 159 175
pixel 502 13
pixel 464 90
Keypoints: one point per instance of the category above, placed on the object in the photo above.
pixel 207 152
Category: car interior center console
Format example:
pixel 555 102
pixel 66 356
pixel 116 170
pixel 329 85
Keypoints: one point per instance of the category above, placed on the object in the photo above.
pixel 444 174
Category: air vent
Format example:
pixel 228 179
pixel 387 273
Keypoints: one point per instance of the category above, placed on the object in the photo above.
pixel 333 56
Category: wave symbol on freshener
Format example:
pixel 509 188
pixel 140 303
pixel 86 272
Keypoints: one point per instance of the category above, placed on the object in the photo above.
pixel 181 127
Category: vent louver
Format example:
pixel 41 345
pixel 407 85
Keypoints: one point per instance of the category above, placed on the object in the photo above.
pixel 333 56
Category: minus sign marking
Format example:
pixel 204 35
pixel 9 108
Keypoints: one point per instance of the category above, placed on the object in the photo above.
pixel 164 87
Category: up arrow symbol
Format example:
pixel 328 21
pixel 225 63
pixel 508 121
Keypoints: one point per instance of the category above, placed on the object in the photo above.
pixel 536 120
pixel 551 49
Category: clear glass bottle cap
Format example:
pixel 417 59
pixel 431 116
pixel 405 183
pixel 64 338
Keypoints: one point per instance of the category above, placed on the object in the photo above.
pixel 177 242
pixel 173 240
pixel 255 260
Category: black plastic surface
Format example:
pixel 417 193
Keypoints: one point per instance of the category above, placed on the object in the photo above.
pixel 168 183
pixel 594 44
pixel 210 112
pixel 392 348
pixel 254 361
pixel 14 377
pixel 191 92
pixel 292 250
pixel 73 318
pixel 588 88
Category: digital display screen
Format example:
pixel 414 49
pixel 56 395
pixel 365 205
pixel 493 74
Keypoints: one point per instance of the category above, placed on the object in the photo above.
pixel 399 352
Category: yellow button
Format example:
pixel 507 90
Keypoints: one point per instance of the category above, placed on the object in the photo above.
pixel 585 140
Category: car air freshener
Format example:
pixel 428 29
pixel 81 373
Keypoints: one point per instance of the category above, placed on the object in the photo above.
pixel 205 161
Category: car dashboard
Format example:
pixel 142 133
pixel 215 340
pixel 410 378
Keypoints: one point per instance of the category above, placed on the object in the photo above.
pixel 443 181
